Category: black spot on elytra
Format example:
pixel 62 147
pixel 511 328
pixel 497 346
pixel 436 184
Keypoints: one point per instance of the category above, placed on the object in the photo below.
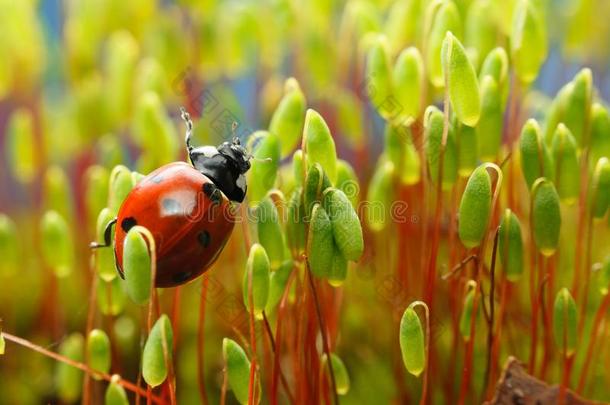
pixel 204 238
pixel 181 276
pixel 212 192
pixel 128 223
pixel 171 206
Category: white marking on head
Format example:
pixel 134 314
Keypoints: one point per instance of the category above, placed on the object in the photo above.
pixel 241 182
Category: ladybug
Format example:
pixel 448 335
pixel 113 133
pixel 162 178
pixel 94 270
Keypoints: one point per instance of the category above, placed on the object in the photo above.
pixel 188 208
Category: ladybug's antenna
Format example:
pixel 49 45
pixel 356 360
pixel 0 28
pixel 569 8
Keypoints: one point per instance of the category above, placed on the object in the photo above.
pixel 186 117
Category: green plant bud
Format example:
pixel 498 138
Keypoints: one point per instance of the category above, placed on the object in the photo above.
pixel 57 247
pixel 69 380
pixel 480 28
pixel 528 41
pixel 159 341
pixel 98 351
pixel 338 270
pixel 447 18
pixel 433 134
pixel 347 230
pixel 115 394
pixel 467 148
pixel 555 113
pixel 21 146
pixel 315 184
pixel 262 175
pixel 578 105
pixel 466 317
pixel 600 132
pixel 347 181
pixel 349 116
pixel 150 76
pixel 400 150
pixel 320 244
pixel 601 188
pixel 257 265
pixel 412 342
pixel 564 322
pixel 511 246
pixel 320 146
pixel 120 184
pixel 532 149
pixel 295 225
pixel 238 369
pixel 380 196
pixel 57 193
pixel 408 79
pixel 403 23
pixel 297 167
pixel 489 129
pixel 567 171
pixel 9 246
pixel 277 284
pixel 546 216
pixel 475 208
pixel 96 191
pixel 136 266
pixel 111 297
pixel 120 66
pixel 461 80
pixel 270 231
pixel 379 78
pixel 495 65
pixel 287 120
pixel 342 381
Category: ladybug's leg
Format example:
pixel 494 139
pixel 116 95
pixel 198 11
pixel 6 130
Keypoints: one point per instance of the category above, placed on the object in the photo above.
pixel 107 236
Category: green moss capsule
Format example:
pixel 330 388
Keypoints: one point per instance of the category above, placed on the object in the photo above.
pixel 287 120
pixel 567 170
pixel 320 243
pixel 347 181
pixel 408 79
pixel 96 191
pixel 380 89
pixel 510 246
pixel 467 313
pixel 262 174
pixel 467 148
pixel 475 208
pixel 238 369
pixel 461 80
pixel 404 23
pixel 115 394
pixel 528 41
pixel 411 341
pixel 57 246
pixel 295 224
pixel 564 322
pixel 315 184
pixel 601 188
pixel 536 159
pixel 57 193
pixel 577 108
pixel 489 129
pixel 297 167
pixel 259 268
pixel 347 231
pixel 20 147
pixel 380 197
pixel 136 266
pixel 9 246
pixel 111 296
pixel 120 184
pixel 495 65
pixel 98 351
pixel 446 18
pixel 433 134
pixel 338 269
pixel 600 132
pixel 546 216
pixel 120 68
pixel 159 341
pixel 104 258
pixel 342 380
pixel 320 146
pixel 277 284
pixel 270 233
pixel 480 30
pixel 69 379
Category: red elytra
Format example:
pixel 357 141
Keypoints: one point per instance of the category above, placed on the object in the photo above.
pixel 189 218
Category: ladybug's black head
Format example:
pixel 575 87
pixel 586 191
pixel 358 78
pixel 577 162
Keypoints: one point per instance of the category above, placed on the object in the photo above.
pixel 226 165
